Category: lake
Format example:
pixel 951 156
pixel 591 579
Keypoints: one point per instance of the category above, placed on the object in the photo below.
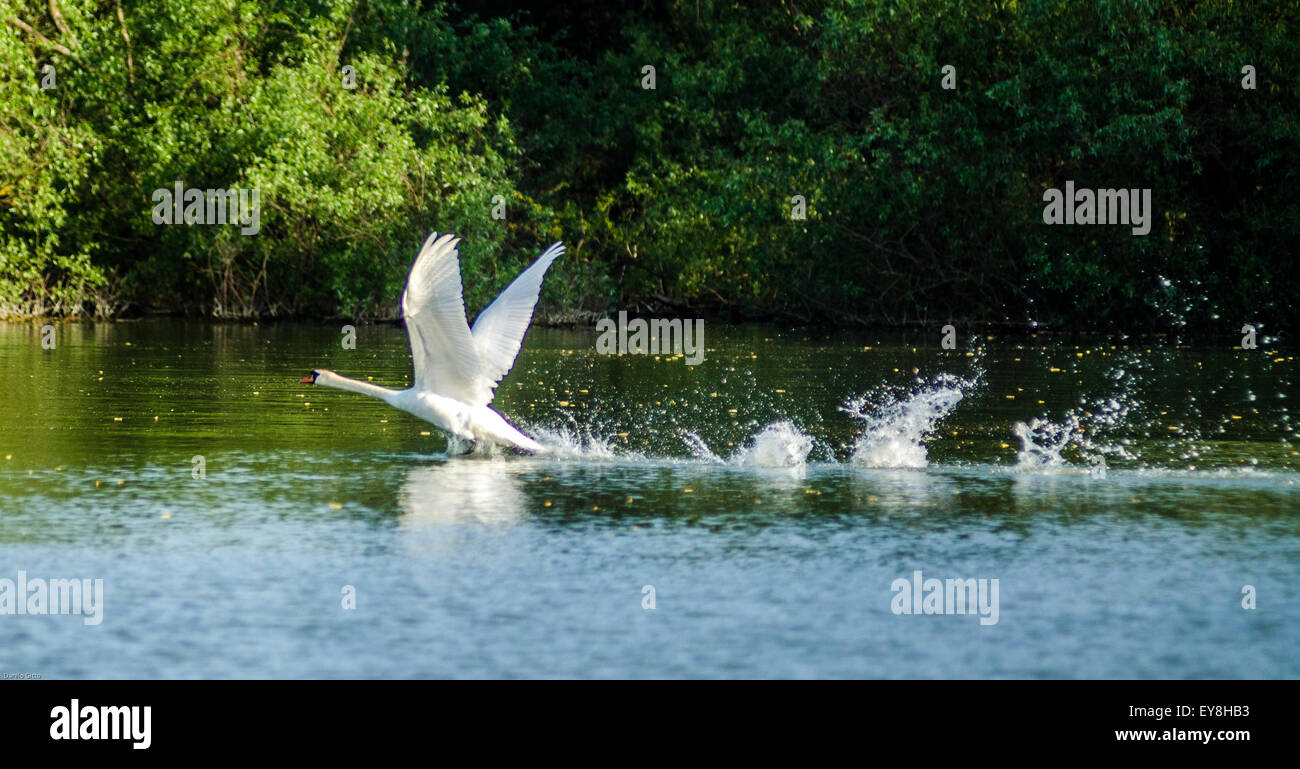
pixel 762 514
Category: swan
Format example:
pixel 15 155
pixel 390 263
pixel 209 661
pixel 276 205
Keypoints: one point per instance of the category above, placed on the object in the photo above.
pixel 457 368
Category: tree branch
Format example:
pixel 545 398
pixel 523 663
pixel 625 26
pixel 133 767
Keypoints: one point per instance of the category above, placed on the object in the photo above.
pixel 14 21
pixel 61 24
pixel 130 68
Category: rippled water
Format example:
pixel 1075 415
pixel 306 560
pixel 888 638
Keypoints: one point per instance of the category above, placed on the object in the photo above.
pixel 1122 492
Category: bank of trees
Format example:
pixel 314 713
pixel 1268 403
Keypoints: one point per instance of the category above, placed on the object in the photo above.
pixel 920 203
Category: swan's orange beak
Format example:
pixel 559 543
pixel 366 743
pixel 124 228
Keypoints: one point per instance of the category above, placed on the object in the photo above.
pixel 307 380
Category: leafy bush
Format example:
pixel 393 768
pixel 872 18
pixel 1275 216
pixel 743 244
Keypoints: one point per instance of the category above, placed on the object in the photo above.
pixel 923 204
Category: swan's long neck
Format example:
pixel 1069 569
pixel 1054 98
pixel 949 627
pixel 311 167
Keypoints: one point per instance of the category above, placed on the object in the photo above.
pixel 330 379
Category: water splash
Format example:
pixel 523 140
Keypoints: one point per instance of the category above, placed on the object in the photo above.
pixel 699 449
pixel 1041 441
pixel 780 444
pixel 896 428
pixel 577 443
pixel 1085 431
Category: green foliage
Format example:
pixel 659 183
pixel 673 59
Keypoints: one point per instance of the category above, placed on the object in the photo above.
pixel 43 159
pixel 923 204
pixel 234 95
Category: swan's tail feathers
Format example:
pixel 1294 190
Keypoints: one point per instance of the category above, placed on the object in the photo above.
pixel 524 443
pixel 490 425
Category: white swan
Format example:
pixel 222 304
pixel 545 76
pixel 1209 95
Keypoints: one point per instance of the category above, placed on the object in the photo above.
pixel 456 368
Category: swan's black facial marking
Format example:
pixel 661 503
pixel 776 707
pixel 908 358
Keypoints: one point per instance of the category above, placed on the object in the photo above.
pixel 310 378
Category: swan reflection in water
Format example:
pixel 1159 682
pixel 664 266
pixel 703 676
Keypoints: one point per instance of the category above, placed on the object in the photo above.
pixel 460 491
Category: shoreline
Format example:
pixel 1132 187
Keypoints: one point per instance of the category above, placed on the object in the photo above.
pixel 565 321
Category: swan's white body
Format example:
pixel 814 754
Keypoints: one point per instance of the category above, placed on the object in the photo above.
pixel 457 368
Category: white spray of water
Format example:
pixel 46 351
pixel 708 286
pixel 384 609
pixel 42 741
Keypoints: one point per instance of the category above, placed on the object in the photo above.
pixel 1041 442
pixel 700 450
pixel 897 426
pixel 1083 429
pixel 780 444
pixel 573 443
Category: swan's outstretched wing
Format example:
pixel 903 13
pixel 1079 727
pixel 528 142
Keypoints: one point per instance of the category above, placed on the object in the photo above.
pixel 499 330
pixel 446 359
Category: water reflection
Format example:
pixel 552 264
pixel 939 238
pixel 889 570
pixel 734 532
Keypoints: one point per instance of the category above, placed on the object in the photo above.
pixel 463 490
pixel 914 491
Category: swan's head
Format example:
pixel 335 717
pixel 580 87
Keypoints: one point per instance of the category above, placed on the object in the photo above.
pixel 310 378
